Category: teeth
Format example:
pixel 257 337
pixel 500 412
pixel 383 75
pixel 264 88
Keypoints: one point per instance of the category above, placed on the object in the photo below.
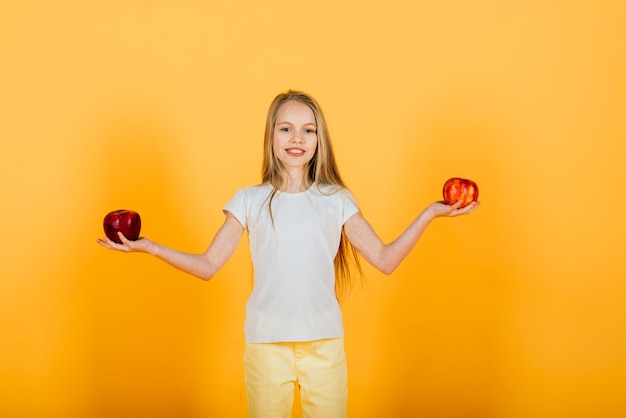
pixel 295 151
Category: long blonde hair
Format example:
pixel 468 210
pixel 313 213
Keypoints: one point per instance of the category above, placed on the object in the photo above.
pixel 322 169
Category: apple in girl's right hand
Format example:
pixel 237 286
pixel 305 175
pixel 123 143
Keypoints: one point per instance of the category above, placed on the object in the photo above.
pixel 456 189
pixel 127 222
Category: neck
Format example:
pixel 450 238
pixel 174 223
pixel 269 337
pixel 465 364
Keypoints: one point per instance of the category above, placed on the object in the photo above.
pixel 295 183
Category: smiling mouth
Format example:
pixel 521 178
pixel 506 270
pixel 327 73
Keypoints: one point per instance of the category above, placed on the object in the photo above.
pixel 294 151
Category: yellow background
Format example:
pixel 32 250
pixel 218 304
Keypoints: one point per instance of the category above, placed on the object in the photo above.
pixel 158 106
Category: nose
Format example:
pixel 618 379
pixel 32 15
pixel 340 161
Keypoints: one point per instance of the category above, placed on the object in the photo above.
pixel 296 137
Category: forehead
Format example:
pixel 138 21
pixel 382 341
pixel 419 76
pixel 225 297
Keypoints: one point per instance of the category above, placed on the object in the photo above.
pixel 294 112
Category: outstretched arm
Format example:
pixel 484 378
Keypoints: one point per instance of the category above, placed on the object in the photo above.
pixel 204 266
pixel 387 257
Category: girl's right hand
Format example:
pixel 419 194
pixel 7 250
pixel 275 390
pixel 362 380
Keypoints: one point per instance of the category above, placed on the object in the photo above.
pixel 141 245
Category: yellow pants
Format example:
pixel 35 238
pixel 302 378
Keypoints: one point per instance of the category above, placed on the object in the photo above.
pixel 317 368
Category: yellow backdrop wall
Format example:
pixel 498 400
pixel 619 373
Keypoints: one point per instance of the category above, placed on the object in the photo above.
pixel 158 106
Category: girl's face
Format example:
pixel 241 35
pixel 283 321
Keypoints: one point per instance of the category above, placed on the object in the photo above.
pixel 295 135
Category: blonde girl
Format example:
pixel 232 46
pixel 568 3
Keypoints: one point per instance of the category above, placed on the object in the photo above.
pixel 304 230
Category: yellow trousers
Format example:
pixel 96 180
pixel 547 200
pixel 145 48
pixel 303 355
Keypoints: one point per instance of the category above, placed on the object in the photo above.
pixel 317 368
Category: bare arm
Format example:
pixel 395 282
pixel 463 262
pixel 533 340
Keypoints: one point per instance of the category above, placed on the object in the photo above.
pixel 387 257
pixel 204 266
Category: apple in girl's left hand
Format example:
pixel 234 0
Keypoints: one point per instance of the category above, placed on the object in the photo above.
pixel 127 222
pixel 456 189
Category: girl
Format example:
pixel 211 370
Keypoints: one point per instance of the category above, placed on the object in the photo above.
pixel 304 230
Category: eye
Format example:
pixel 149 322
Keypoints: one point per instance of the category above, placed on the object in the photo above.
pixel 310 131
pixel 284 129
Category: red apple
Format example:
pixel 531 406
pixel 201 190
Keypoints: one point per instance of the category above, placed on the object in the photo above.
pixel 456 189
pixel 127 222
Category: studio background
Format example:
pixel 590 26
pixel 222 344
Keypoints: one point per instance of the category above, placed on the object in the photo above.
pixel 516 311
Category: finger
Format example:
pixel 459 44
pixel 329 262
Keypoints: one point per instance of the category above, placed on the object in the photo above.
pixel 112 245
pixel 468 209
pixel 106 241
pixel 103 242
pixel 124 246
pixel 453 209
pixel 125 241
pixel 472 206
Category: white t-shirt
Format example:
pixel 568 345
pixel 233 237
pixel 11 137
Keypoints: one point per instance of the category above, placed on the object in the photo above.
pixel 293 298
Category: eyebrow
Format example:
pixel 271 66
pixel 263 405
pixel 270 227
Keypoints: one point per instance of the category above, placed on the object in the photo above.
pixel 289 123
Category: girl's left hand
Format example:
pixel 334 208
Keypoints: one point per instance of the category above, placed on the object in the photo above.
pixel 441 209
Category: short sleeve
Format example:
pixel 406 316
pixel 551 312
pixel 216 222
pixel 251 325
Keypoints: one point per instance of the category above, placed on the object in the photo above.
pixel 238 207
pixel 350 206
